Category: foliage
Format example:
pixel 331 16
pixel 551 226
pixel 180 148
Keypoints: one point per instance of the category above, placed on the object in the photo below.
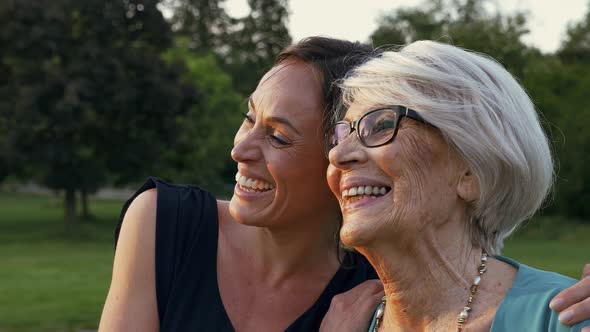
pixel 205 132
pixel 87 95
pixel 256 40
pixel 204 22
pixel 245 47
pixel 559 84
pixel 463 23
pixel 576 47
pixel 563 101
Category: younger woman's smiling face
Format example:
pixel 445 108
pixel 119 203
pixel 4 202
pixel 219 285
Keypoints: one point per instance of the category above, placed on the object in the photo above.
pixel 279 151
pixel 393 192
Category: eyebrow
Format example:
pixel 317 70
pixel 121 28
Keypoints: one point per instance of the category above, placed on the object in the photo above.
pixel 275 119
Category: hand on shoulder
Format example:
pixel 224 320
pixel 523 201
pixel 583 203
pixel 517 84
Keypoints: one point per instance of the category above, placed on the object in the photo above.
pixel 574 303
pixel 352 311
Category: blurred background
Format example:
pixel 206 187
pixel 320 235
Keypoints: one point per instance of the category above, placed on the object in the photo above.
pixel 96 95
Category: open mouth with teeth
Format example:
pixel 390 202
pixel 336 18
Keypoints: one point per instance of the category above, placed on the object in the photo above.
pixel 355 194
pixel 253 185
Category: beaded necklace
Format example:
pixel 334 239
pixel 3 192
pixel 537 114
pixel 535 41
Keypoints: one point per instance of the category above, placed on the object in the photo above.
pixel 466 309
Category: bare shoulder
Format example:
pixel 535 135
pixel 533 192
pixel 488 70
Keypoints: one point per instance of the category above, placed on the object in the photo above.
pixel 142 211
pixel 131 302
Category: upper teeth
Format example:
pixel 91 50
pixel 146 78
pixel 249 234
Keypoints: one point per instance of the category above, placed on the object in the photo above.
pixel 253 183
pixel 364 190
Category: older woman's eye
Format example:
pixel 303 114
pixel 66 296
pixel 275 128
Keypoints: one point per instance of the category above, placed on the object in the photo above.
pixel 382 125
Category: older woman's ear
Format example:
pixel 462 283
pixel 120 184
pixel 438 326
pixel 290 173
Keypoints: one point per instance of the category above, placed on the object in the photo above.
pixel 468 186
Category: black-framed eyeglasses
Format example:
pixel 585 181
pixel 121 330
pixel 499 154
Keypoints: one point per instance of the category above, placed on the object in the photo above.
pixel 375 128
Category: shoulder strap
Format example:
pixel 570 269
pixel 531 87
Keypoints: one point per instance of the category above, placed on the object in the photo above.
pixel 182 213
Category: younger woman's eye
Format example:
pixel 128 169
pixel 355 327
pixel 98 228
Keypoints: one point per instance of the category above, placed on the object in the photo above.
pixel 279 139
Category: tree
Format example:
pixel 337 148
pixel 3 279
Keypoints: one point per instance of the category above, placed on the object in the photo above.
pixel 205 133
pixel 406 25
pixel 256 40
pixel 569 84
pixel 203 22
pixel 576 46
pixel 89 98
pixel 464 23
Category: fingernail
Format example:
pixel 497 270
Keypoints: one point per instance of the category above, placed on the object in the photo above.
pixel 565 316
pixel 586 329
pixel 556 304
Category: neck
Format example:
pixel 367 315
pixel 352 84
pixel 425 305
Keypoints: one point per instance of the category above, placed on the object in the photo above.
pixel 436 264
pixel 303 247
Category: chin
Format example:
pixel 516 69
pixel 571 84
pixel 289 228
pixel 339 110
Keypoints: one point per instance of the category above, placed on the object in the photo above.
pixel 245 215
pixel 357 235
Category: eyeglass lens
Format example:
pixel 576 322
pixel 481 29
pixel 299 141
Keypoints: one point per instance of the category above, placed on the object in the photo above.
pixel 374 128
pixel 378 127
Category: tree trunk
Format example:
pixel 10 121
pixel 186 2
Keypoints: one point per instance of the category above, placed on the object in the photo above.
pixel 54 201
pixel 70 208
pixel 85 210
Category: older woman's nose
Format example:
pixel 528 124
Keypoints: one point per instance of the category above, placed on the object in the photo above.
pixel 347 153
pixel 245 149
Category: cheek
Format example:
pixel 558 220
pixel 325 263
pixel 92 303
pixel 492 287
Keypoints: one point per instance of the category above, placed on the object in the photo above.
pixel 299 168
pixel 408 163
pixel 424 189
pixel 417 166
pixel 333 177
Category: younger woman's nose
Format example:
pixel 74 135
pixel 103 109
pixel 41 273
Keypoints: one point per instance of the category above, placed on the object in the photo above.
pixel 245 148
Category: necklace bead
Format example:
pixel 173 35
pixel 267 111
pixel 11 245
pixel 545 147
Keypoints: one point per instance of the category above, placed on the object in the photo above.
pixel 472 291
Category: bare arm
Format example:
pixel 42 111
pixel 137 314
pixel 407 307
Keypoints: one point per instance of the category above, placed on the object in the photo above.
pixel 574 302
pixel 131 301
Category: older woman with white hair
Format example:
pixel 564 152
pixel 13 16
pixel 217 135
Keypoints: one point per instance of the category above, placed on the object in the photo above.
pixel 439 158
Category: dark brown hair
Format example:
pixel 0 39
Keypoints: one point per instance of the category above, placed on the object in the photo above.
pixel 333 59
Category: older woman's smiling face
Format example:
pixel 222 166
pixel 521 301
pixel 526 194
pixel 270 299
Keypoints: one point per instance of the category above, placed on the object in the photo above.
pixel 394 191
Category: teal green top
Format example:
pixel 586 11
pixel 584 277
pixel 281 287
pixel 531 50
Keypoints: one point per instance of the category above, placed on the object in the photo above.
pixel 526 305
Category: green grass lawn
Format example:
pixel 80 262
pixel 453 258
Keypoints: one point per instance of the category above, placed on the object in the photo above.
pixel 53 280
pixel 552 244
pixel 50 279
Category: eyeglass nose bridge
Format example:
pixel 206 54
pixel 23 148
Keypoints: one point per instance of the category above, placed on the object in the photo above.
pixel 352 128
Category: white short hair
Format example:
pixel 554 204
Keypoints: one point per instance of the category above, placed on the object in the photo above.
pixel 483 113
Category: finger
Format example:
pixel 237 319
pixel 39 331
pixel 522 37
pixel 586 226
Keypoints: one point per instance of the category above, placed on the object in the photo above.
pixel 586 272
pixel 371 286
pixel 570 296
pixel 370 303
pixel 365 311
pixel 576 313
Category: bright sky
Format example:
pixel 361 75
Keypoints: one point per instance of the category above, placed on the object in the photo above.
pixel 356 20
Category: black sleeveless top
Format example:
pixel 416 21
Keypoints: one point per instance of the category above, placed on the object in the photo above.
pixel 187 292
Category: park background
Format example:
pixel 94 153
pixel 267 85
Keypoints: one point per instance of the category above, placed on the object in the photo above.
pixel 96 95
